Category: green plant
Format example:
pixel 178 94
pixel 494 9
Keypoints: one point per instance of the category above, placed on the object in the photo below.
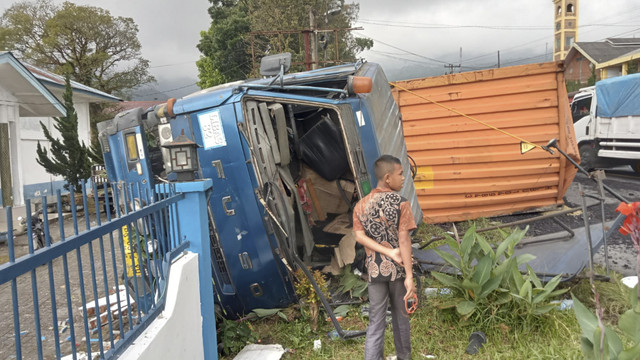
pixel 489 285
pixel 597 340
pixel 352 283
pixel 307 295
pixel 573 85
pixel 270 312
pixel 67 157
pixel 235 335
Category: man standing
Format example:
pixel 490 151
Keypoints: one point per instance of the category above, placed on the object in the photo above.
pixel 382 221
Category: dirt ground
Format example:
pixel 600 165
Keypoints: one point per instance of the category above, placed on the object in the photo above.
pixel 622 255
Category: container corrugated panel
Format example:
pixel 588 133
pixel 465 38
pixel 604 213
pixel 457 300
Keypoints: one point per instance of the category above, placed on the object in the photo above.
pixel 467 170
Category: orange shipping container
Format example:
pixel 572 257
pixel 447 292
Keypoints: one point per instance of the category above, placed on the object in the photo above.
pixel 468 170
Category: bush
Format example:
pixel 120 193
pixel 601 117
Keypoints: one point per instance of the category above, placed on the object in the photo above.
pixel 489 287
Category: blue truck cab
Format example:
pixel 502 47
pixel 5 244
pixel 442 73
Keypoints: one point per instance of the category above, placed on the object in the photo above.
pixel 289 156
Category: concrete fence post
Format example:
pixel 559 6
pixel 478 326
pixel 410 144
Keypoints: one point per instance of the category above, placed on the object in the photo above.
pixel 193 223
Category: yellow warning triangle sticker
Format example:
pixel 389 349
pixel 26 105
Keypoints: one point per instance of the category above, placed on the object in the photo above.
pixel 526 147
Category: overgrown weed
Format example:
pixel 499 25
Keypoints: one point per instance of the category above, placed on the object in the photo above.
pixel 614 296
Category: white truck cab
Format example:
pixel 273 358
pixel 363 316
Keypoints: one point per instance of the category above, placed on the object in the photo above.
pixel 606 121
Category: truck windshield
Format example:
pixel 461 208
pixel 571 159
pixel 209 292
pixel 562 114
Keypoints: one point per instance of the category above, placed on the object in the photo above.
pixel 580 108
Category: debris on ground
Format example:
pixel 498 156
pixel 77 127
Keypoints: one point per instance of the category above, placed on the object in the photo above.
pixel 437 291
pixel 79 356
pixel 630 281
pixel 565 304
pixel 116 310
pixel 476 340
pixel 262 352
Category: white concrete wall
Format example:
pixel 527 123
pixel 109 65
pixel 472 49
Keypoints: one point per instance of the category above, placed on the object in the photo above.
pixel 177 332
pixel 30 133
pixel 28 177
pixel 9 109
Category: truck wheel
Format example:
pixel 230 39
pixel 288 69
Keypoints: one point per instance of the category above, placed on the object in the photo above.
pixel 588 155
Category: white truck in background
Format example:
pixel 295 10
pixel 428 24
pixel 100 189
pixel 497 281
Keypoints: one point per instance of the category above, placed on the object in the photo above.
pixel 606 120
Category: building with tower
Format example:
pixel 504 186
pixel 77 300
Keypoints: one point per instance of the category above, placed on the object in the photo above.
pixel 565 27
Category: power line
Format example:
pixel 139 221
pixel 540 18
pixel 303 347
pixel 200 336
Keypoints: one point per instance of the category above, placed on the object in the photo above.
pixel 170 90
pixel 172 64
pixel 490 27
pixel 391 55
pixel 450 26
pixel 622 15
pixel 403 50
pixel 623 33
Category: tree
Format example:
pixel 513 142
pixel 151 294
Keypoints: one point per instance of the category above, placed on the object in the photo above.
pixel 102 51
pixel 69 157
pixel 228 46
pixel 592 79
pixel 209 75
pixel 224 48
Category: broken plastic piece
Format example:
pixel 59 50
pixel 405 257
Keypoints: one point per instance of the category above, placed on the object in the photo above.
pixel 476 339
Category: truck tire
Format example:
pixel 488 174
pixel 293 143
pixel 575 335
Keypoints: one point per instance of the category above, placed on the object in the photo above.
pixel 588 153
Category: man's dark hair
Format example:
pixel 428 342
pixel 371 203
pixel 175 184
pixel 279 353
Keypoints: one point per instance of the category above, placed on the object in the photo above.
pixel 384 165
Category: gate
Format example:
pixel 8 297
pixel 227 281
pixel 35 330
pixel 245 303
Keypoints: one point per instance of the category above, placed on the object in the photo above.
pixel 92 290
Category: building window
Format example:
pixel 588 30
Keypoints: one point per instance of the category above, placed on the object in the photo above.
pixel 568 41
pixel 557 43
pixel 559 10
pixel 570 9
pixel 558 25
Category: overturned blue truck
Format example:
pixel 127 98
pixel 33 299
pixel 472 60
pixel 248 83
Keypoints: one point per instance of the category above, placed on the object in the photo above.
pixel 288 154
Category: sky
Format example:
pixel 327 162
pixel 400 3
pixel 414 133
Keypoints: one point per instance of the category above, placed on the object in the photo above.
pixel 412 38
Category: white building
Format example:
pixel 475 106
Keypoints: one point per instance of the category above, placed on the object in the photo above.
pixel 28 96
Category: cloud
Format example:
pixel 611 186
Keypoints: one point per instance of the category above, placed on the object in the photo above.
pixel 170 30
pixel 521 30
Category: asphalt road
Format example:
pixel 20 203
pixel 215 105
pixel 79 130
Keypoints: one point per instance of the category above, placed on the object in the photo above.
pixel 622 255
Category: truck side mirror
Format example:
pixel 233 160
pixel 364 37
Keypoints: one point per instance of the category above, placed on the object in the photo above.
pixel 275 64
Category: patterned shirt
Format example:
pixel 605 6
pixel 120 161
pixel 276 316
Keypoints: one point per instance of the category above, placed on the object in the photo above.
pixel 382 215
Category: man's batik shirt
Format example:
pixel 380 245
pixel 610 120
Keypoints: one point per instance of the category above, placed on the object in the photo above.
pixel 382 215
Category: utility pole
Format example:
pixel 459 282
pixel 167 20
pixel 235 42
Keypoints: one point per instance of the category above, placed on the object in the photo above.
pixel 450 66
pixel 314 40
pixel 498 58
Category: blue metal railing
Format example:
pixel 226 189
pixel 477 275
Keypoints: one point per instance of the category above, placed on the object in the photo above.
pixel 130 237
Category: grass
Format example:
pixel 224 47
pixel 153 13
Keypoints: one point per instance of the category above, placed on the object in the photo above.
pixel 434 332
pixel 555 335
pixel 614 296
pixel 426 232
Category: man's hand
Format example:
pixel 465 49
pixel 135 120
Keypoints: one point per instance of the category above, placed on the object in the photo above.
pixel 410 286
pixel 396 256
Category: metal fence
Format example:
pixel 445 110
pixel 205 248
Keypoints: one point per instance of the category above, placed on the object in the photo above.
pixel 95 290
